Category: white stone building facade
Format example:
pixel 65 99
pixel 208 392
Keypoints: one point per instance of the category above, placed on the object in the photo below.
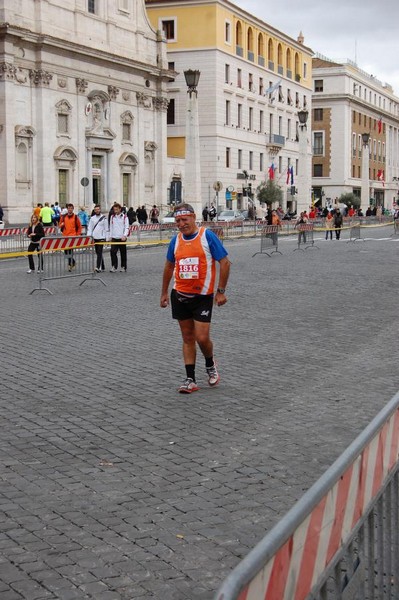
pixel 83 100
pixel 346 103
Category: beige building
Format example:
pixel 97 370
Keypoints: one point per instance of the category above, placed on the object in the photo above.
pixel 254 80
pixel 346 103
pixel 83 100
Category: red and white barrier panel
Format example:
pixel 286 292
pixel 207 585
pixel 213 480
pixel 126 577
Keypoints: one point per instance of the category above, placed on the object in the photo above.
pixel 298 564
pixel 12 231
pixel 65 243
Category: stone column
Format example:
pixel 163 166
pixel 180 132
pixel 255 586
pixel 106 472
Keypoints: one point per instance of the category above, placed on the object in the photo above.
pixel 365 188
pixel 192 177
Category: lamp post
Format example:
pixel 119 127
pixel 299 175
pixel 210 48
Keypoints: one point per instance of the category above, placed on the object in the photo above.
pixel 303 163
pixel 192 176
pixel 365 189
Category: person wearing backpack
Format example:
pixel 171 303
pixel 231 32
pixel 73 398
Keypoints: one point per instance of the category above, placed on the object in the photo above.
pixel 98 230
pixel 83 218
pixel 118 232
pixel 70 226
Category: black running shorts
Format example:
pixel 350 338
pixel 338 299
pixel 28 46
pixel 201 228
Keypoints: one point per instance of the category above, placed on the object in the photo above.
pixel 198 308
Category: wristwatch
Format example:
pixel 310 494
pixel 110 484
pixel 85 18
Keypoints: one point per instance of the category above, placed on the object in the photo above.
pixel 221 290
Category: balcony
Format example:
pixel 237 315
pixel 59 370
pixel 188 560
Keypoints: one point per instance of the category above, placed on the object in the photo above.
pixel 261 61
pixel 239 51
pixel 289 74
pixel 251 56
pixel 275 143
pixel 271 65
pixel 280 70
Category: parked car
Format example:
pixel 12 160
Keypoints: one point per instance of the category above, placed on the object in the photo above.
pixel 168 218
pixel 231 215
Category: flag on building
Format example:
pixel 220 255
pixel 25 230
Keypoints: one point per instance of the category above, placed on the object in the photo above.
pixel 380 176
pixel 272 88
pixel 272 168
pixel 380 125
pixel 292 175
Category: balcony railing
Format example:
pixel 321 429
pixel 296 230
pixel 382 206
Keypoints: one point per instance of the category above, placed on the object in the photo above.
pixel 251 56
pixel 261 61
pixel 277 140
pixel 239 51
pixel 280 70
pixel 318 150
pixel 271 65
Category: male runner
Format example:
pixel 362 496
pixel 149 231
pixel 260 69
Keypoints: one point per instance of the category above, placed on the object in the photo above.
pixel 191 259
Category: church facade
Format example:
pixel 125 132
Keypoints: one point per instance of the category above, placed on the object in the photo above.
pixel 83 101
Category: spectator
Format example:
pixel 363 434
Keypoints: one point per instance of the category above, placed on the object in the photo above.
pixel 37 209
pixel 131 215
pixel 46 215
pixel 118 232
pixel 338 220
pixel 212 212
pixel 1 213
pixel 57 213
pixel 205 213
pixel 329 224
pixel 83 218
pixel 98 229
pixel 154 214
pixel 369 211
pixel 70 226
pixel 312 213
pixel 301 220
pixel 35 233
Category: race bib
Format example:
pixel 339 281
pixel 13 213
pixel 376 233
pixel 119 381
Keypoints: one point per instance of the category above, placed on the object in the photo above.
pixel 189 268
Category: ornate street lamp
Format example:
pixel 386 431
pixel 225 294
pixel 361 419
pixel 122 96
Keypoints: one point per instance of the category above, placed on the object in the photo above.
pixel 303 118
pixel 192 79
pixel 365 138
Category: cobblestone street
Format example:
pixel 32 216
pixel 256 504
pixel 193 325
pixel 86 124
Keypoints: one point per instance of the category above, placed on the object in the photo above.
pixel 114 486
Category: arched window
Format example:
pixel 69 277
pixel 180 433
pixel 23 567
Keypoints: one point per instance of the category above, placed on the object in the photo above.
pixel 280 59
pixel 127 126
pixel 261 50
pixel 288 61
pixel 297 68
pixel 250 43
pixel 270 54
pixel 239 34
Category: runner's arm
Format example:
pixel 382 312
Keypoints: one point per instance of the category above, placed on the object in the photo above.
pixel 167 276
pixel 224 271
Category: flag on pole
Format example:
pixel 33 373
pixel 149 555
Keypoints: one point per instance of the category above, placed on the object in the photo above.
pixel 273 87
pixel 272 168
pixel 292 175
pixel 288 175
pixel 380 125
pixel 381 177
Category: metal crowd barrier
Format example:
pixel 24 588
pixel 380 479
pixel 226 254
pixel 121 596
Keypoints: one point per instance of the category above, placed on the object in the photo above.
pixel 163 232
pixel 305 236
pixel 341 539
pixel 269 241
pixel 356 232
pixel 65 257
pixel 395 227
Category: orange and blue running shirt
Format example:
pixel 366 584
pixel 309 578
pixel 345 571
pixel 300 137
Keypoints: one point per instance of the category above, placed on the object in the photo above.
pixel 194 258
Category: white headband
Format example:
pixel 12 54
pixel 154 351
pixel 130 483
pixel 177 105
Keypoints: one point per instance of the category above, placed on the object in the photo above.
pixel 179 213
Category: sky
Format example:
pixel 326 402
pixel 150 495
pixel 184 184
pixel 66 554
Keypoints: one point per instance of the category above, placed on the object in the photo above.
pixel 364 31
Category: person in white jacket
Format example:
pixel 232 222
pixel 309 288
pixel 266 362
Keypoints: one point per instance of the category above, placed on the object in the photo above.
pixel 118 232
pixel 98 230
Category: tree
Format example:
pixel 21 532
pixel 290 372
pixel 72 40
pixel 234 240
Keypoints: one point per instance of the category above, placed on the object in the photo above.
pixel 350 199
pixel 268 192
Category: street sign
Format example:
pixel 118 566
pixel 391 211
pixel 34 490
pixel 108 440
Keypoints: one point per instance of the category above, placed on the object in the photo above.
pixel 230 188
pixel 84 181
pixel 218 186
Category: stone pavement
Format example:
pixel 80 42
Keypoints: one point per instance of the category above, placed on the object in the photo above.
pixel 115 487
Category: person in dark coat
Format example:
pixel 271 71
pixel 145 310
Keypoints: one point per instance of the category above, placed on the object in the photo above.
pixel 338 220
pixel 131 215
pixel 35 233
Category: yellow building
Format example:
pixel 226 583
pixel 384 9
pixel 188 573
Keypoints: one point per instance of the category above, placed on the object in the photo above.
pixel 253 81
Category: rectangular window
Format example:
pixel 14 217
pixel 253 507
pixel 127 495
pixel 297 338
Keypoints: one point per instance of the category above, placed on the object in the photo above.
pixel 91 6
pixel 261 121
pixel 169 29
pixel 126 188
pixel 228 158
pixel 251 160
pixel 63 187
pixel 289 97
pixel 317 170
pixel 250 82
pixel 261 161
pixel 126 132
pixel 318 114
pixel 227 112
pixel 227 32
pixel 239 78
pixel 261 88
pixel 170 115
pixel 318 149
pixel 227 73
pixel 354 116
pixel 250 118
pixel 280 125
pixel 318 85
pixel 124 5
pixel 62 123
pixel 289 129
pixel 239 164
pixel 239 115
